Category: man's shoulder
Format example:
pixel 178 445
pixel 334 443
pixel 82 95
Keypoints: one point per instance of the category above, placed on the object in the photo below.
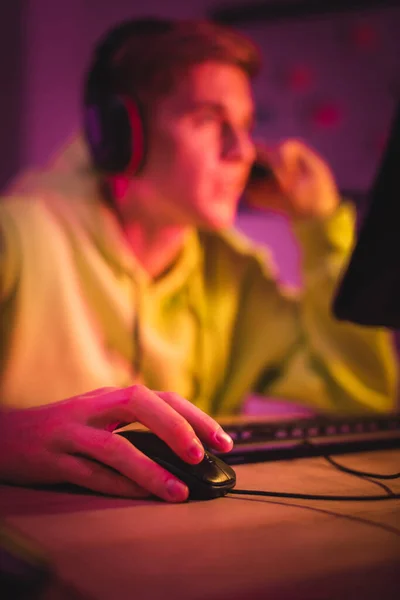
pixel 38 221
pixel 21 208
pixel 48 198
pixel 20 219
pixel 50 194
pixel 24 211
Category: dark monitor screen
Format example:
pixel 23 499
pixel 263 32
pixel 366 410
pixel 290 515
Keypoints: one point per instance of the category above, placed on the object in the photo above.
pixel 369 293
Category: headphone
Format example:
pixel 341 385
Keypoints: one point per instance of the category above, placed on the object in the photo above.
pixel 114 124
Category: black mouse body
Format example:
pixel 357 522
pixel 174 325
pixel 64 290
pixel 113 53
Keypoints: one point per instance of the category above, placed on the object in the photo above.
pixel 208 479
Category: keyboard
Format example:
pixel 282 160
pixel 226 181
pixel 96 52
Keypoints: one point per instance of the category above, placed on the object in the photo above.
pixel 264 440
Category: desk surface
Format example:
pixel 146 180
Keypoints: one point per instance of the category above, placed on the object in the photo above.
pixel 232 548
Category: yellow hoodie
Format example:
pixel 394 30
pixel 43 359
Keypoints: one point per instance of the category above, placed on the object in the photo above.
pixel 78 312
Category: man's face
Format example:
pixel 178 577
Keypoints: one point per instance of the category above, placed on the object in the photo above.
pixel 200 150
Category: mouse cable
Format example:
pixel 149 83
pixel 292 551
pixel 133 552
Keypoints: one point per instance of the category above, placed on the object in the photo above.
pixel 390 495
pixel 345 469
pixel 349 470
pixel 294 496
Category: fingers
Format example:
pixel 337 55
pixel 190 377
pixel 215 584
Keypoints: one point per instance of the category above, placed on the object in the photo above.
pixel 138 403
pixel 209 431
pixel 289 154
pixel 172 418
pixel 286 160
pixel 89 474
pixel 168 424
pixel 119 454
pixel 297 159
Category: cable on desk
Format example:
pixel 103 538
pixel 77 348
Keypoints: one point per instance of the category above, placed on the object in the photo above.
pixel 334 498
pixel 345 469
pixel 349 470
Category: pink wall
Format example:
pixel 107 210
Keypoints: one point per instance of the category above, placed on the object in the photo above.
pixel 12 77
pixel 333 81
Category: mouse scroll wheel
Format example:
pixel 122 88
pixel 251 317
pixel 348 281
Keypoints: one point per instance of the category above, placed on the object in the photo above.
pixel 208 459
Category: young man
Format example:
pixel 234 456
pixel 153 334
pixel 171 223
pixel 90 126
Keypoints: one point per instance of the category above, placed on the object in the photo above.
pixel 123 269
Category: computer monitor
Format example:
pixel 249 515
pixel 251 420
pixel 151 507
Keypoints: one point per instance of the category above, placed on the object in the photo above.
pixel 369 293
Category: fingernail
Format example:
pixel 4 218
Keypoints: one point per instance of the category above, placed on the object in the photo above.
pixel 196 450
pixel 176 490
pixel 223 438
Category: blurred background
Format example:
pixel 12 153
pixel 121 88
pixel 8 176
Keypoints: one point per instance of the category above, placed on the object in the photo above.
pixel 331 77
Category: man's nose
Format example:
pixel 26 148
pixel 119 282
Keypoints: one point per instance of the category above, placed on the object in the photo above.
pixel 238 145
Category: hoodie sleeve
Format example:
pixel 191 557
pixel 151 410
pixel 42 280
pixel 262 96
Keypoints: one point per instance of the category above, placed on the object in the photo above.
pixel 332 365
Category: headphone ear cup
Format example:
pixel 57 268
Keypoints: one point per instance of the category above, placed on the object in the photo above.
pixel 115 134
pixel 113 124
pixel 138 136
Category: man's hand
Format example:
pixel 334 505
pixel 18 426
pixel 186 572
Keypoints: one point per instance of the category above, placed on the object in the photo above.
pixel 55 443
pixel 302 186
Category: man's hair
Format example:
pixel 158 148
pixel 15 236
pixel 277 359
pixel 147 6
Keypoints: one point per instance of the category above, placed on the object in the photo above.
pixel 154 55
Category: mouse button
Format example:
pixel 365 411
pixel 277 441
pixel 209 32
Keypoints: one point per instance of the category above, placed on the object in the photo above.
pixel 205 472
pixel 229 472
pixel 210 472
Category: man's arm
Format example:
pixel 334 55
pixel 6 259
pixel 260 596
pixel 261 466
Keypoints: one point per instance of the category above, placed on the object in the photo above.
pixel 332 365
pixel 72 442
pixel 343 367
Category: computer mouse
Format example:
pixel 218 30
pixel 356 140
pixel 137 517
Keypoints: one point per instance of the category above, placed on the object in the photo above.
pixel 211 478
